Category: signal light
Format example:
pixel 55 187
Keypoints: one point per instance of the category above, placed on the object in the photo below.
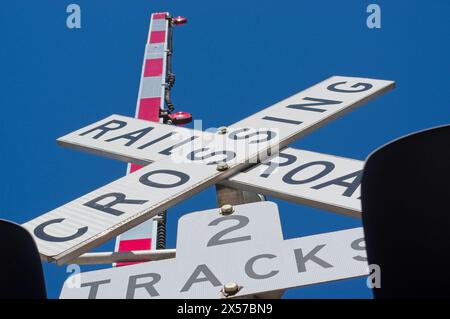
pixel 178 118
pixel 179 20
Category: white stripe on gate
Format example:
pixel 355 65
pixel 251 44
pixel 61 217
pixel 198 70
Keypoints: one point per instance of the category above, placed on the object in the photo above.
pixel 153 87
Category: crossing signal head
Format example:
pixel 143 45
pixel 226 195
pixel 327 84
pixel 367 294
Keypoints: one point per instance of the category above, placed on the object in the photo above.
pixel 179 20
pixel 178 118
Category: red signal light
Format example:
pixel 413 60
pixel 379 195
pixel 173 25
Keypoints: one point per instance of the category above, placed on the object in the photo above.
pixel 179 20
pixel 178 118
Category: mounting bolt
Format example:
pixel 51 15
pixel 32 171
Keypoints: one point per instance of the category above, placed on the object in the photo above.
pixel 227 209
pixel 222 166
pixel 230 289
pixel 222 130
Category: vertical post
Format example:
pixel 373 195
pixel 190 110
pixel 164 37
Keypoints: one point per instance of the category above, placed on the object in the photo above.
pixel 150 105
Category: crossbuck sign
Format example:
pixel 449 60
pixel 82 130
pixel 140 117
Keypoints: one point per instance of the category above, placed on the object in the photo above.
pixel 245 248
pixel 184 162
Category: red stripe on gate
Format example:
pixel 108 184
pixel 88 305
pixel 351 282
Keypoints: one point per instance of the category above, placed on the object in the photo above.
pixel 157 36
pixel 134 244
pixel 153 67
pixel 159 15
pixel 134 167
pixel 149 109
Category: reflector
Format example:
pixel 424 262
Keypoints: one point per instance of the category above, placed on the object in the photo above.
pixel 179 20
pixel 178 118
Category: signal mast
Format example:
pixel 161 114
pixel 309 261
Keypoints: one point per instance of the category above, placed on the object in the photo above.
pixel 154 104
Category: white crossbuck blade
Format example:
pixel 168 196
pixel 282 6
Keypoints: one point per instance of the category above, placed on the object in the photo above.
pixel 180 170
pixel 315 179
pixel 319 180
pixel 245 248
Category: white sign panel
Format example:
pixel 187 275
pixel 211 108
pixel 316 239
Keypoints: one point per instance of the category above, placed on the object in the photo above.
pixel 283 182
pixel 229 249
pixel 316 106
pixel 319 180
pixel 142 142
pixel 249 225
pixel 90 220
pixel 133 140
pixel 72 229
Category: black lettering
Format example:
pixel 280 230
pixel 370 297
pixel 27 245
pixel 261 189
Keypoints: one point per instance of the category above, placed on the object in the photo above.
pixel 290 159
pixel 351 187
pixel 194 278
pixel 289 177
pixel 311 256
pixel 183 178
pixel 358 245
pixel 40 233
pixel 105 128
pixel 119 198
pixel 362 87
pixel 132 137
pixel 306 106
pixel 133 285
pixel 94 287
pixel 168 151
pixel 228 155
pixel 269 135
pixel 281 120
pixel 251 272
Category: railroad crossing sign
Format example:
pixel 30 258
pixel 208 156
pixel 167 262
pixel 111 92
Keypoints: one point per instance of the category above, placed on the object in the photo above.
pixel 178 171
pixel 231 255
pixel 319 180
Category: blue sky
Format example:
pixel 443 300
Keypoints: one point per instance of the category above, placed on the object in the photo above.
pixel 231 60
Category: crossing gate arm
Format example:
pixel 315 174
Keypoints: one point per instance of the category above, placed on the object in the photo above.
pixel 124 256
